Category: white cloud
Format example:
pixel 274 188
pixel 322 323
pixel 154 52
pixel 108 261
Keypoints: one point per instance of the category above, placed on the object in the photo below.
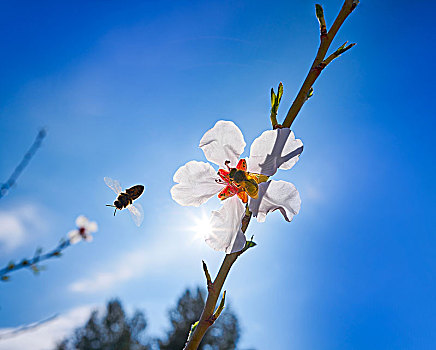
pixel 166 254
pixel 146 258
pixel 130 265
pixel 17 224
pixel 47 335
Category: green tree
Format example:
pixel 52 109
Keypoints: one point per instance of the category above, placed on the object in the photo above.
pixel 113 331
pixel 223 335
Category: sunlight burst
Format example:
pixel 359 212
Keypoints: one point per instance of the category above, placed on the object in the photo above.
pixel 201 226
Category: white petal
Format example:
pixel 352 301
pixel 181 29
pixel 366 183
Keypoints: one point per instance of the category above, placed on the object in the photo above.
pixel 74 236
pixel 225 227
pixel 223 142
pixel 89 238
pixel 82 221
pixel 91 226
pixel 272 150
pixel 196 183
pixel 275 195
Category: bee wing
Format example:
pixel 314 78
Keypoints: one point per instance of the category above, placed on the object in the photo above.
pixel 137 213
pixel 259 178
pixel 113 184
pixel 250 186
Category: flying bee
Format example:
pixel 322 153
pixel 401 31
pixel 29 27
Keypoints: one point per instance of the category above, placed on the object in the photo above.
pixel 240 181
pixel 125 199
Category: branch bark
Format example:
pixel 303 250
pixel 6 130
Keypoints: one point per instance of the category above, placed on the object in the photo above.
pixel 208 316
pixel 5 187
pixel 213 292
pixel 33 263
pixel 318 64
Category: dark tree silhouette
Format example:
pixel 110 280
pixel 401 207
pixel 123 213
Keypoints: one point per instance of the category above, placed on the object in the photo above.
pixel 223 335
pixel 113 331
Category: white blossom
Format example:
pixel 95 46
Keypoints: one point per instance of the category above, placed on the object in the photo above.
pixel 196 182
pixel 84 230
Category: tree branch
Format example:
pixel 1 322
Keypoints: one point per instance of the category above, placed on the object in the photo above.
pixel 319 64
pixel 29 327
pixel 4 188
pixel 207 317
pixel 33 263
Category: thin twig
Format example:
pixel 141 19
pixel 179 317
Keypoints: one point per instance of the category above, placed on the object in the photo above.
pixel 337 53
pixel 275 102
pixel 321 19
pixel 318 64
pixel 33 263
pixel 220 308
pixel 208 278
pixel 28 327
pixel 5 187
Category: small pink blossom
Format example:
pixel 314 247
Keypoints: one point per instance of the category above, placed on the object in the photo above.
pixel 83 231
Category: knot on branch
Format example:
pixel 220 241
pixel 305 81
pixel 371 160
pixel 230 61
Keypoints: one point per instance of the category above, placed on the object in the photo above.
pixel 210 320
pixel 247 217
pixel 354 4
pixel 320 67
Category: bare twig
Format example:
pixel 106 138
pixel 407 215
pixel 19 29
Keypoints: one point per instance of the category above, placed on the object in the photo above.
pixel 275 102
pixel 321 20
pixel 33 263
pixel 220 308
pixel 4 188
pixel 337 53
pixel 28 327
pixel 208 278
pixel 319 63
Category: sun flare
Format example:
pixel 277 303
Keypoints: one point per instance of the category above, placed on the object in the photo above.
pixel 201 226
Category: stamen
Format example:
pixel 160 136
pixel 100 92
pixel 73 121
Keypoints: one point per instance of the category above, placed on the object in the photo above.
pixel 226 163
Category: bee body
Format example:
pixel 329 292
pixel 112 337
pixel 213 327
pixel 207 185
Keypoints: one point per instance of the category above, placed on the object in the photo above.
pixel 122 201
pixel 241 182
pixel 125 199
pixel 245 181
pixel 135 191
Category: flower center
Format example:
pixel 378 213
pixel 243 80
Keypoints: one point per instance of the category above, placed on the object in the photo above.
pixel 82 231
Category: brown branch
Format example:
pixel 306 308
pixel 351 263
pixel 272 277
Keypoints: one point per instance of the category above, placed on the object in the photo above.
pixel 319 64
pixel 321 20
pixel 208 316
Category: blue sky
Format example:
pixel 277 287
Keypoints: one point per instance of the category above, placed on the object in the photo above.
pixel 127 91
